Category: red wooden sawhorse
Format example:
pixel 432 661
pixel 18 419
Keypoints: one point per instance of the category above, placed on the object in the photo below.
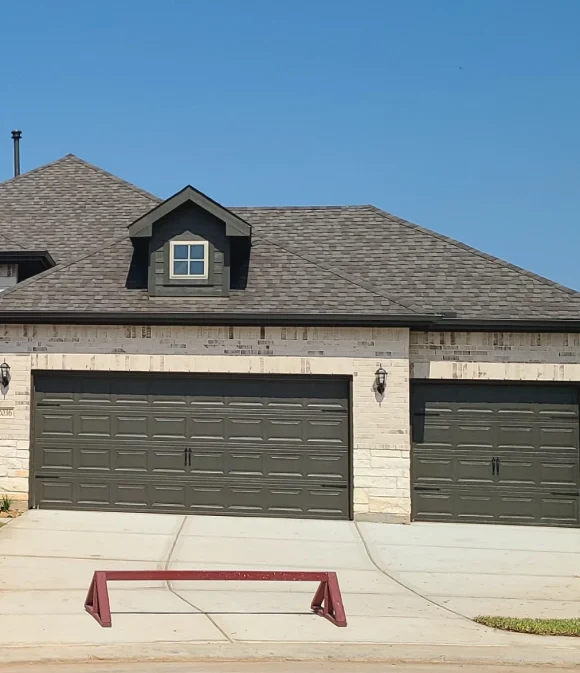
pixel 327 601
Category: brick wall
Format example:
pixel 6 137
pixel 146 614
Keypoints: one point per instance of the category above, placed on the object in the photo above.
pixel 495 356
pixel 380 426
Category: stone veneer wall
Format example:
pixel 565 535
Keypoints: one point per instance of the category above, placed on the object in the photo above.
pixel 499 356
pixel 380 427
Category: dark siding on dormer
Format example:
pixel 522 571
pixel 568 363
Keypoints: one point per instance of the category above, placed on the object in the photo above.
pixel 189 223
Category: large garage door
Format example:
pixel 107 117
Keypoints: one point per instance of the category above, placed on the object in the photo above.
pixel 495 453
pixel 214 445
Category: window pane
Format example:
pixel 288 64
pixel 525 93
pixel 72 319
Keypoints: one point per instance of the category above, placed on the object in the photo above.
pixel 196 268
pixel 180 268
pixel 180 252
pixel 196 251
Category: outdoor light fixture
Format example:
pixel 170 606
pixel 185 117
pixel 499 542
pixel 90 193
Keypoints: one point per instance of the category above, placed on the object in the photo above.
pixel 380 380
pixel 4 373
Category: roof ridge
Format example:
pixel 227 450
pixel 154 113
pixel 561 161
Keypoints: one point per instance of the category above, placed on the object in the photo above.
pixel 350 279
pixel 475 251
pixel 112 176
pixel 61 267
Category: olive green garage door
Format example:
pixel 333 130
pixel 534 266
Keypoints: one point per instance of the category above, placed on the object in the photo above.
pixel 495 453
pixel 198 445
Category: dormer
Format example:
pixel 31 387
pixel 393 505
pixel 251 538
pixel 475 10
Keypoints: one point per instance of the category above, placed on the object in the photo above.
pixel 192 241
pixel 19 265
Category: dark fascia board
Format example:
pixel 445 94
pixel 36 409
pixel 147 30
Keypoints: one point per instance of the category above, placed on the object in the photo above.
pixel 134 318
pixel 235 226
pixel 414 322
pixel 18 256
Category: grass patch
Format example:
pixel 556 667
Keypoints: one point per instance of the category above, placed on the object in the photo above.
pixel 540 627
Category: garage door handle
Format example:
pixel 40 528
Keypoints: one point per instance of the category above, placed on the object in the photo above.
pixel 332 485
pixel 425 488
pixel 45 476
pixel 565 493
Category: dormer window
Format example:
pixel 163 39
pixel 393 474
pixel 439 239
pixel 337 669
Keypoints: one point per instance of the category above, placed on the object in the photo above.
pixel 189 259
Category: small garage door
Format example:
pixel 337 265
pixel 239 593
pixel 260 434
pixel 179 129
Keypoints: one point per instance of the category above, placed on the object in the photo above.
pixel 213 445
pixel 495 453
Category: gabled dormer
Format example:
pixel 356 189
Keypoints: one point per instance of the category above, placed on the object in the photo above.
pixel 193 242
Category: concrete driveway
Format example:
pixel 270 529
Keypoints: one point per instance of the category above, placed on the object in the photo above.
pixel 402 585
pixel 512 571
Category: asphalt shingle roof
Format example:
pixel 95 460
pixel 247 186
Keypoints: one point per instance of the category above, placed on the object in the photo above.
pixel 68 207
pixel 424 270
pixel 355 260
pixel 279 282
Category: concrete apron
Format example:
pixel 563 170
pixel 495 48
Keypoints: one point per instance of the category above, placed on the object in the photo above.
pixel 47 559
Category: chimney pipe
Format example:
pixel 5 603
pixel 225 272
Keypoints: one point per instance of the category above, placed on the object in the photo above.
pixel 16 135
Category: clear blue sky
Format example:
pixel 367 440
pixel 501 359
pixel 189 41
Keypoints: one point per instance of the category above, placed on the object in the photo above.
pixel 460 115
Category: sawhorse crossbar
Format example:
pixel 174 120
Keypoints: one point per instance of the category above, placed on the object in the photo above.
pixel 327 601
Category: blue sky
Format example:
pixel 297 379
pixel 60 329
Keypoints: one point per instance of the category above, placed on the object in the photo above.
pixel 460 115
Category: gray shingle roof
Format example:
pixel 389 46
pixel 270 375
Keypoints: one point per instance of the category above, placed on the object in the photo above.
pixel 355 260
pixel 279 282
pixel 68 207
pixel 424 270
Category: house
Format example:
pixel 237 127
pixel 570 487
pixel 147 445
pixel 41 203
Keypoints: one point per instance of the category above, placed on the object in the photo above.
pixel 324 362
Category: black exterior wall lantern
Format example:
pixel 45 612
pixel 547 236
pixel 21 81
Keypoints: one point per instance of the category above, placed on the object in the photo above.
pixel 5 374
pixel 380 380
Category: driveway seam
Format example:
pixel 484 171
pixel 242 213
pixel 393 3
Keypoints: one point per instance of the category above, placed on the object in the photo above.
pixel 401 583
pixel 178 595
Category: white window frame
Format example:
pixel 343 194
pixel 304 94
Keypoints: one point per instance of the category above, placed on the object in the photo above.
pixel 188 276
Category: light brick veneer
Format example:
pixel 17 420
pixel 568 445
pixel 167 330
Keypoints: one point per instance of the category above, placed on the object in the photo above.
pixel 380 427
pixel 500 356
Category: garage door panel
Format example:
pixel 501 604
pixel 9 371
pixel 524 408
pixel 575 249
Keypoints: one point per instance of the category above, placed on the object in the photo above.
pixel 488 506
pixel 93 459
pixel 56 423
pixel 276 446
pixel 93 425
pixel 559 509
pixel 131 427
pixel 168 426
pixel 55 458
pixel 508 446
pixel 167 497
pixel 271 464
pixel 204 497
pixel 54 494
pixel 207 428
pixel 532 469
pixel 454 505
pixel 165 460
pixel 450 468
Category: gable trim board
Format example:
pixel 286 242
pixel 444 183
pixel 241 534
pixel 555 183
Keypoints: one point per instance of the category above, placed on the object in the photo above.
pixel 235 226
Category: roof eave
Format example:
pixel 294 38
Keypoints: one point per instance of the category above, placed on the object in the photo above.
pixel 136 318
pixel 17 256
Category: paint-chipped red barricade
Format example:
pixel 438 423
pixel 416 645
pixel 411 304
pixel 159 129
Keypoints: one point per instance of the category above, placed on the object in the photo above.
pixel 327 601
